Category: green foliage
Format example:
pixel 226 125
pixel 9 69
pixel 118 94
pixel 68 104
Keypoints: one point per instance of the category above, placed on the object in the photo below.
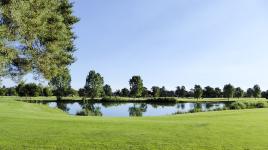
pixel 198 91
pixel 3 91
pixel 36 36
pixel 228 91
pixel 61 84
pixel 238 105
pixel 11 92
pixel 94 84
pixel 256 91
pixel 125 92
pixel 136 86
pixel 250 92
pixel 47 92
pixel 163 91
pixel 82 92
pixel 218 92
pixel 155 91
pixel 145 92
pixel 107 90
pixel 238 92
pixel 181 91
pixel 209 92
pixel 28 90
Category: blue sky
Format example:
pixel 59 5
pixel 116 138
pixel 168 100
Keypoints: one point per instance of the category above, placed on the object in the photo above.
pixel 172 42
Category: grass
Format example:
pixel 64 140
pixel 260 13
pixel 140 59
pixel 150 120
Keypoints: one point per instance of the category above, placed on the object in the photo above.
pixel 35 126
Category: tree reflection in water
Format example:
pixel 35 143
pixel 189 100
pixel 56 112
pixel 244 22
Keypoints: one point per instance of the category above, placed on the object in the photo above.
pixel 137 110
pixel 88 109
pixel 62 106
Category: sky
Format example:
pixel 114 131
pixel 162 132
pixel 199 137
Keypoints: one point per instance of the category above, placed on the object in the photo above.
pixel 172 42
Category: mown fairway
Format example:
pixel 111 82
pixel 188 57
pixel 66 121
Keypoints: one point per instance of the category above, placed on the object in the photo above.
pixel 34 126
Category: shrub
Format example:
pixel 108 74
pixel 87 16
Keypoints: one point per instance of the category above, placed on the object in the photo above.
pixel 238 105
pixel 261 105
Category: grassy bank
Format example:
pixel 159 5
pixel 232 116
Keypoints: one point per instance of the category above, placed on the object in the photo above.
pixel 33 126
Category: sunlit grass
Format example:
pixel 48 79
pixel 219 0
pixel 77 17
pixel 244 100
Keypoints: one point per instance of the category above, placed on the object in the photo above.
pixel 36 126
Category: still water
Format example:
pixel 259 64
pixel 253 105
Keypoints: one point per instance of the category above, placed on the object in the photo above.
pixel 131 109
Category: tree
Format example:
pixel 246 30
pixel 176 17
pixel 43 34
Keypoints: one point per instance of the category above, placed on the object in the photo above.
pixel 209 92
pixel 265 94
pixel 32 90
pixel 198 92
pixel 20 89
pixel 145 92
pixel 136 86
pixel 155 91
pixel 256 91
pixel 61 84
pixel 94 84
pixel 107 90
pixel 181 91
pixel 228 91
pixel 218 92
pixel 82 92
pixel 238 92
pixel 3 91
pixel 250 92
pixel 177 92
pixel 11 92
pixel 36 36
pixel 71 92
pixel 163 91
pixel 125 92
pixel 47 92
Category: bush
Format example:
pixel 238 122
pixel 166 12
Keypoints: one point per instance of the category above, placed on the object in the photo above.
pixel 238 105
pixel 261 105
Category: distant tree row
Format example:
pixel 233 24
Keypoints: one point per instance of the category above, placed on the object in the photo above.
pixel 34 90
pixel 95 87
pixel 60 86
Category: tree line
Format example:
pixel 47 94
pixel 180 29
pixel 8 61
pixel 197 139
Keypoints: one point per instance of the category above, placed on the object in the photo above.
pixel 60 86
pixel 34 90
pixel 94 87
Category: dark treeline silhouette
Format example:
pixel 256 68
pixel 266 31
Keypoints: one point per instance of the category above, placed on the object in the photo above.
pixel 94 87
pixel 33 90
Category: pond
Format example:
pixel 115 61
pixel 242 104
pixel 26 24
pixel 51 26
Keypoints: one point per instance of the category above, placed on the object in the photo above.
pixel 116 109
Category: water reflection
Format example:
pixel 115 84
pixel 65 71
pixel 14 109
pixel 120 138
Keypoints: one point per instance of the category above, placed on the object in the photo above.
pixel 137 110
pixel 88 109
pixel 132 109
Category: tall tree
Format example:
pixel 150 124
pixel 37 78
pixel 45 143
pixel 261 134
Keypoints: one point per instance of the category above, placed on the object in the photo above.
pixel 94 84
pixel 228 91
pixel 107 90
pixel 238 92
pixel 218 92
pixel 156 91
pixel 163 91
pixel 61 84
pixel 136 86
pixel 181 91
pixel 250 92
pixel 256 91
pixel 198 92
pixel 36 36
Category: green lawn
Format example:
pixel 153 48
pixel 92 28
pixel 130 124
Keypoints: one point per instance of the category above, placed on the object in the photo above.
pixel 35 126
